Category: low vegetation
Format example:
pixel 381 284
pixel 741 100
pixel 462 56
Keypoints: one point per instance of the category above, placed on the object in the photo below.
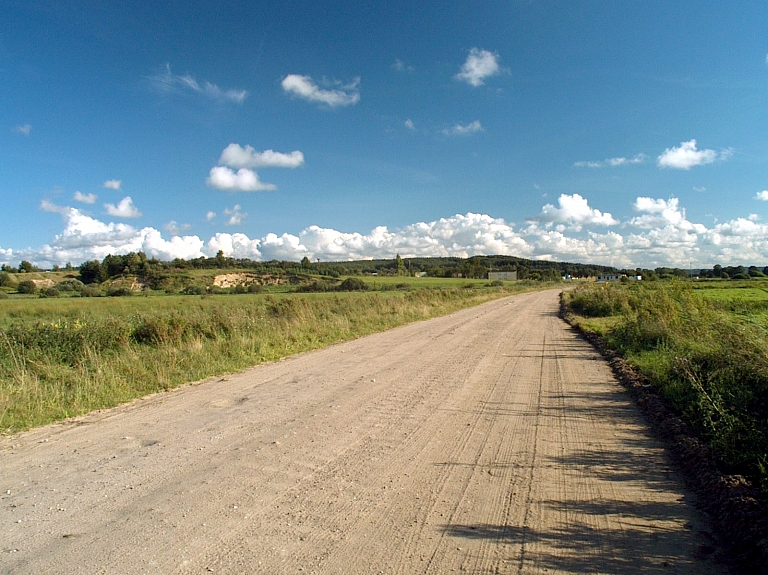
pixel 64 357
pixel 705 349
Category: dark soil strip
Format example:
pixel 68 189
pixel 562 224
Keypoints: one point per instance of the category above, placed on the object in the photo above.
pixel 739 511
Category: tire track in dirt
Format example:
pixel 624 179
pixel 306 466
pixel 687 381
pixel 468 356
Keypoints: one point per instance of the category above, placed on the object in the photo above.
pixel 493 440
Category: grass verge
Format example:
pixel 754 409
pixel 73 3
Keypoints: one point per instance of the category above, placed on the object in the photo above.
pixel 709 361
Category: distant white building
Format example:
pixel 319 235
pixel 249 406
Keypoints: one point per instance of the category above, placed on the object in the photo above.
pixel 503 276
pixel 608 278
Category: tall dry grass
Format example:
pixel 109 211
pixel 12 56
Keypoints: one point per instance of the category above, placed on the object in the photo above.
pixel 61 361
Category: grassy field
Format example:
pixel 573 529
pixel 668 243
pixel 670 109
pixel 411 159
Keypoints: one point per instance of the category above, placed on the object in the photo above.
pixel 66 356
pixel 705 346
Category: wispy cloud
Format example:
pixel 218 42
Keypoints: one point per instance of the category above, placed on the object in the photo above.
pixel 304 87
pixel 400 66
pixel 124 209
pixel 612 162
pixel 85 198
pixel 409 124
pixel 48 206
pixel 459 130
pixel 236 216
pixel 167 81
pixel 480 64
pixel 26 129
pixel 686 156
pixel 235 156
pixel 209 216
pixel 113 184
pixel 176 229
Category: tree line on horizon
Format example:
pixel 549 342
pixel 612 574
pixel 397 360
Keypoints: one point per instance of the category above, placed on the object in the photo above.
pixel 138 264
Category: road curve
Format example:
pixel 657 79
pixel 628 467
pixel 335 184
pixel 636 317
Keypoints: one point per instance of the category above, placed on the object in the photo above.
pixel 493 440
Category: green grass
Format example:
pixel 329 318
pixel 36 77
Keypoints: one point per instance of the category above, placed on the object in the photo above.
pixel 64 357
pixel 706 349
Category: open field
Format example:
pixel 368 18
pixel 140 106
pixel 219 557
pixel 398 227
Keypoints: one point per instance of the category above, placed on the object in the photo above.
pixel 66 356
pixel 705 346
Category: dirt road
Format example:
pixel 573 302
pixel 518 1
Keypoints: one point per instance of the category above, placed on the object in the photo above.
pixel 489 441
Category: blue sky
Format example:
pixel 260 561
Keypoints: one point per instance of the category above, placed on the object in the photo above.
pixel 628 134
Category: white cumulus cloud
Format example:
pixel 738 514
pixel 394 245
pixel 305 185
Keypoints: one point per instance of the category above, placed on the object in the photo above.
pixel 167 81
pixel 113 184
pixel 762 196
pixel 124 209
pixel 660 235
pixel 235 156
pixel 304 87
pixel 686 156
pixel 209 216
pixel 244 180
pixel 660 213
pixel 574 213
pixel 85 198
pixel 480 64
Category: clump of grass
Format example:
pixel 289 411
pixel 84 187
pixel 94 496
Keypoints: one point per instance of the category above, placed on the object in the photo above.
pixel 711 363
pixel 60 358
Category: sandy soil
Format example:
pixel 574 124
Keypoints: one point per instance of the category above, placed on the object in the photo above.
pixel 489 441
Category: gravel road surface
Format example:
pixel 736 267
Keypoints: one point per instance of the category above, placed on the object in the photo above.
pixel 493 440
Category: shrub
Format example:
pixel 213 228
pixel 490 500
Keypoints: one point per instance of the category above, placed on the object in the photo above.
pixel 119 292
pixel 71 285
pixel 26 286
pixel 6 280
pixel 353 284
pixel 255 288
pixel 90 291
pixel 195 290
pixel 49 292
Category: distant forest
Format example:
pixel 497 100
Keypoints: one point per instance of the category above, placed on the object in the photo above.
pixel 474 267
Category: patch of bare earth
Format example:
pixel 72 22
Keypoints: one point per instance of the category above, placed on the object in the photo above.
pixel 494 440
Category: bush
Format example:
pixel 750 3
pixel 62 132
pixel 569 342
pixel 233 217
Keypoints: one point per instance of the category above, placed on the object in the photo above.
pixel 353 284
pixel 316 286
pixel 49 292
pixel 255 288
pixel 195 290
pixel 26 286
pixel 90 291
pixel 71 285
pixel 6 280
pixel 119 292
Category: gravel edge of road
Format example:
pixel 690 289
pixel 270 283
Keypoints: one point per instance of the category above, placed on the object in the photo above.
pixel 739 512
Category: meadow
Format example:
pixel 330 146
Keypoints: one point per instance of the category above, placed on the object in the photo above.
pixel 704 345
pixel 65 356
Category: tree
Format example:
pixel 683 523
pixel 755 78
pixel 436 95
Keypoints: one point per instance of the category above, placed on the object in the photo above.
pixel 305 263
pixel 26 266
pixel 92 272
pixel 400 266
